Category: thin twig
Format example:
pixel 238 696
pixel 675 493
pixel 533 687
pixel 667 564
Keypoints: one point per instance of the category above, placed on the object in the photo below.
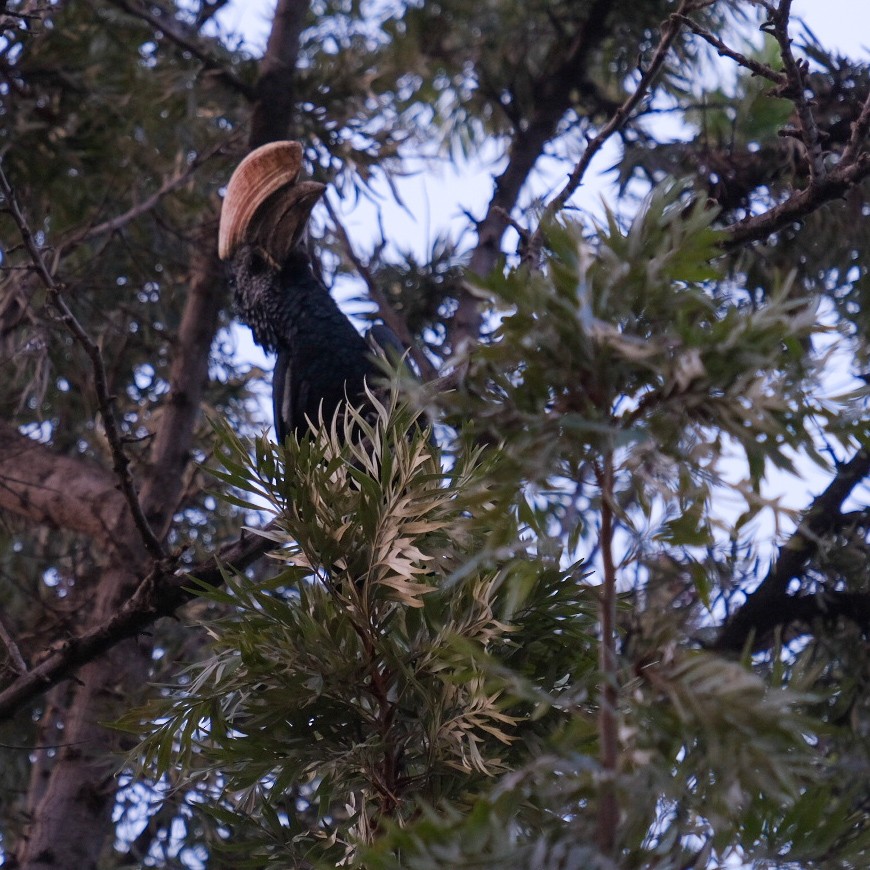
pixel 119 221
pixel 796 89
pixel 540 123
pixel 389 314
pixel 860 129
pixel 754 66
pixel 120 461
pixel 608 805
pixel 670 30
pixel 12 648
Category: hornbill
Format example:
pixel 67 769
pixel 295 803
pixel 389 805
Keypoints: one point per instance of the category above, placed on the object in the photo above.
pixel 321 358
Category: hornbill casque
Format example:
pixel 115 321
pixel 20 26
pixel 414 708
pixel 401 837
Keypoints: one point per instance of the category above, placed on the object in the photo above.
pixel 321 358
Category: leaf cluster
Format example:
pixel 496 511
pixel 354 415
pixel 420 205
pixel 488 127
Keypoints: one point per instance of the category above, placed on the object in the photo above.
pixel 392 660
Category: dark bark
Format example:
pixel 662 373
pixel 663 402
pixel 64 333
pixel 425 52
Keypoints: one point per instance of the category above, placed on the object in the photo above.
pixel 170 453
pixel 58 491
pixel 554 99
pixel 72 816
pixel 836 184
pixel 71 820
pixel 770 605
pixel 158 594
pixel 72 797
pixel 186 41
pixel 275 92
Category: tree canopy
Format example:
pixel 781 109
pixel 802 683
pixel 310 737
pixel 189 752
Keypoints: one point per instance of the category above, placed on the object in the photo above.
pixel 591 591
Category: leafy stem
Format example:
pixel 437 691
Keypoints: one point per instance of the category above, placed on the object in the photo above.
pixel 608 808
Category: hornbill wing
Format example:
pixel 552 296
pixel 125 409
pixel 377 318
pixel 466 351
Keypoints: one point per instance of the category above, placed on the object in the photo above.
pixel 386 344
pixel 282 390
pixel 291 393
pixel 290 397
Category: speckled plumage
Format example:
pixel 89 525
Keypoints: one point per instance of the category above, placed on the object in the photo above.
pixel 321 357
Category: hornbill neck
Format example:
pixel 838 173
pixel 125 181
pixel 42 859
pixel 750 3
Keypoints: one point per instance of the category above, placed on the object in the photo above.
pixel 296 272
pixel 309 316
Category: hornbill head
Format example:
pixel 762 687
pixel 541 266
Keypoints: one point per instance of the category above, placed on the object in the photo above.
pixel 263 221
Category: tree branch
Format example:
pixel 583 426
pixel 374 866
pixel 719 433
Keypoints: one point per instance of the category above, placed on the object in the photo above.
pixel 12 648
pixel 801 612
pixel 834 185
pixel 764 608
pixel 120 461
pixel 275 93
pixel 386 311
pixel 777 25
pixel 554 96
pixel 171 184
pixel 860 129
pixel 160 593
pixel 58 491
pixel 670 30
pixel 608 724
pixel 754 66
pixel 188 376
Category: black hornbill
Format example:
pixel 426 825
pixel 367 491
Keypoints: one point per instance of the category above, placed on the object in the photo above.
pixel 321 358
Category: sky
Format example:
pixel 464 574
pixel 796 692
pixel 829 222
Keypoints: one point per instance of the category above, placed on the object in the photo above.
pixel 440 198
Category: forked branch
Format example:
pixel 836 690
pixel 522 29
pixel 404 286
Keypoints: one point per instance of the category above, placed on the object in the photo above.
pixel 770 605
pixel 160 593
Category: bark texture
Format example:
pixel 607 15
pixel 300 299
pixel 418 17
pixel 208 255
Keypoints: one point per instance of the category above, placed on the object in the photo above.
pixel 72 795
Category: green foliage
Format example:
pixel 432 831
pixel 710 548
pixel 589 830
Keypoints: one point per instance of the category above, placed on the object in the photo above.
pixel 358 683
pixel 417 678
pixel 635 342
pixel 418 685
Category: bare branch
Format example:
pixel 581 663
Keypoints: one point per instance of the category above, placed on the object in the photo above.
pixel 160 593
pixel 386 311
pixel 860 129
pixel 756 67
pixel 670 30
pixel 608 725
pixel 762 609
pixel 188 375
pixel 120 461
pixel 796 89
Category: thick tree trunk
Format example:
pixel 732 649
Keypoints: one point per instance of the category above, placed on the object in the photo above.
pixel 276 99
pixel 72 799
pixel 71 817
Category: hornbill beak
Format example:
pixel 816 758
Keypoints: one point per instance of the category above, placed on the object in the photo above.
pixel 265 204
